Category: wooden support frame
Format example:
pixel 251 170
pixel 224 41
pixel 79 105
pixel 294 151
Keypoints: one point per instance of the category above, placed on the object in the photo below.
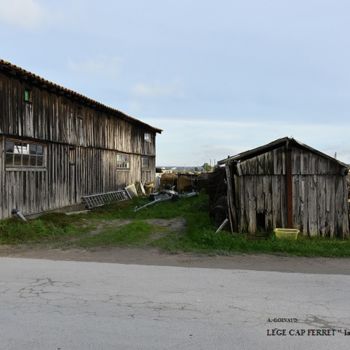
pixel 232 217
pixel 289 186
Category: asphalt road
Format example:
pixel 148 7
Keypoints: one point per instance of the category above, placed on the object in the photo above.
pixel 87 305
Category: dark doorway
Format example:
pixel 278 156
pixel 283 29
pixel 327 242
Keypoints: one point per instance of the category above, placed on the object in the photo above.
pixel 261 221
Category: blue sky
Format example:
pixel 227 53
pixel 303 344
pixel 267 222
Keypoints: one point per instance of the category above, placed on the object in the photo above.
pixel 219 77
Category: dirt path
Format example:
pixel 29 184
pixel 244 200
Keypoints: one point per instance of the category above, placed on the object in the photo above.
pixel 154 257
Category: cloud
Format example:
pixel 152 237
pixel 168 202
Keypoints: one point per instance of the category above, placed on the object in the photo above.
pixel 195 141
pixel 101 66
pixel 22 13
pixel 157 89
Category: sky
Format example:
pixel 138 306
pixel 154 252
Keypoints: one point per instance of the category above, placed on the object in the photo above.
pixel 219 77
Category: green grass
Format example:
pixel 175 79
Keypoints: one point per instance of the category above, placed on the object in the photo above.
pixel 164 210
pixel 199 234
pixel 134 234
pixel 51 227
pixel 224 243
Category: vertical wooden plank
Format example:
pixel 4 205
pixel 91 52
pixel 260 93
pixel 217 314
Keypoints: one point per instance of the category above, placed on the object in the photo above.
pixel 243 227
pixel 282 201
pixel 267 188
pixel 332 204
pixel 230 200
pixel 303 193
pixel 345 213
pixel 275 201
pixel 321 205
pixel 289 187
pixel 296 201
pixel 312 206
pixel 251 203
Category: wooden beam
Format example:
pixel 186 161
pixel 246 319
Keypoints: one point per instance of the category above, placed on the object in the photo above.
pixel 289 187
pixel 230 193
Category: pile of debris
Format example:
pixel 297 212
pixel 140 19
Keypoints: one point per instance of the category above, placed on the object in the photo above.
pixel 140 190
pixel 180 182
pixel 101 199
pixel 165 195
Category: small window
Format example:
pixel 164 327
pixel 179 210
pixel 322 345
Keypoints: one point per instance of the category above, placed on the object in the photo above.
pixel 147 137
pixel 27 96
pixel 22 154
pixel 123 161
pixel 145 162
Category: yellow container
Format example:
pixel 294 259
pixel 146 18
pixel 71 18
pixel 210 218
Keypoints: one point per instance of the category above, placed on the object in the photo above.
pixel 286 233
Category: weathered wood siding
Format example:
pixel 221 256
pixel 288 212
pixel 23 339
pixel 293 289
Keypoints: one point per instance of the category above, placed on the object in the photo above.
pixel 55 118
pixel 320 193
pixel 65 126
pixel 148 175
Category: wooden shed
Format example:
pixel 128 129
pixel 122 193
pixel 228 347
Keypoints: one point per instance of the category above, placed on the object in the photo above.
pixel 57 145
pixel 290 185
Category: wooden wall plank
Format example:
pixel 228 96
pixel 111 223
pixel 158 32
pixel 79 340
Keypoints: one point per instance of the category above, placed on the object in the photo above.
pixel 62 125
pixel 320 193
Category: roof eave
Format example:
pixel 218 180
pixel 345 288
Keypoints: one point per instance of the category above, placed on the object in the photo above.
pixel 25 75
pixel 274 144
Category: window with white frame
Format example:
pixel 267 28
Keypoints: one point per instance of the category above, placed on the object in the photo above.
pixel 24 154
pixel 123 161
pixel 147 137
pixel 145 163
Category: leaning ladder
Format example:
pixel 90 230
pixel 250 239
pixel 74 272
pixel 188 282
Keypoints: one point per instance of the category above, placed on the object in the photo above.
pixel 100 199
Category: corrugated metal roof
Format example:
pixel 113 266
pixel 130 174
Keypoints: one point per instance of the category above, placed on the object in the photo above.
pixel 275 144
pixel 25 75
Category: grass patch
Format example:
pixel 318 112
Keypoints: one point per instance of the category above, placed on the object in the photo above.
pixel 51 227
pixel 206 241
pixel 164 210
pixel 198 236
pixel 133 234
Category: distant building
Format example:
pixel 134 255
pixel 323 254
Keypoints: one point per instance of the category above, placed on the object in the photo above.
pixel 57 145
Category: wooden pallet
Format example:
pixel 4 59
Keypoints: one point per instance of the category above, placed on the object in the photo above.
pixel 100 199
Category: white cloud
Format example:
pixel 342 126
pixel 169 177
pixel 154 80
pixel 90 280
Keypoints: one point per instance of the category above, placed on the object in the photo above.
pixel 157 89
pixel 195 141
pixel 101 66
pixel 22 13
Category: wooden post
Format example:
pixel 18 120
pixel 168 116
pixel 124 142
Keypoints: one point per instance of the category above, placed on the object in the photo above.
pixel 230 194
pixel 289 187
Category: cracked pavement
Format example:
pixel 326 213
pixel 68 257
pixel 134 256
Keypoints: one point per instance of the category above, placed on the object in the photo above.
pixel 88 305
